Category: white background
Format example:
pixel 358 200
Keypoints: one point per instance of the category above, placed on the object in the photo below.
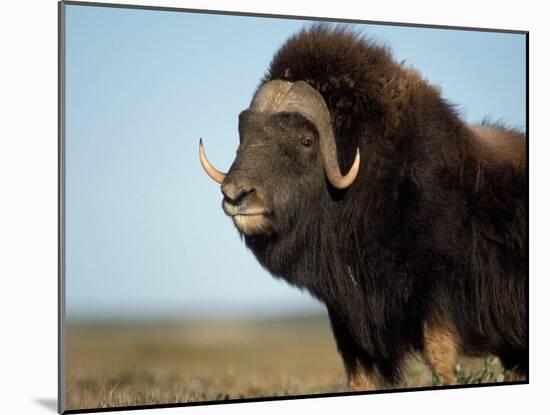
pixel 28 206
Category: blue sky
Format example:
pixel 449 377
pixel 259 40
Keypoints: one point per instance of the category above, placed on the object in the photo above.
pixel 145 233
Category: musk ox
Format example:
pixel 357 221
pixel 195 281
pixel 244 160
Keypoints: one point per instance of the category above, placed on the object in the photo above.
pixel 355 180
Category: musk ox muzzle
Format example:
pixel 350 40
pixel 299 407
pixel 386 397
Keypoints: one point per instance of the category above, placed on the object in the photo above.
pixel 284 96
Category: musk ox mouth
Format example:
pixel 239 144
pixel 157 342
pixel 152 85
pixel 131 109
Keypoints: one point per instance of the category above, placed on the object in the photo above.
pixel 249 220
pixel 252 224
pixel 242 210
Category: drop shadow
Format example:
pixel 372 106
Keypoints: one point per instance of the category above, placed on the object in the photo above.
pixel 48 403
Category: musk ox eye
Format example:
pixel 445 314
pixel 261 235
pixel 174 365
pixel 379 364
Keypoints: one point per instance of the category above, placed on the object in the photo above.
pixel 307 142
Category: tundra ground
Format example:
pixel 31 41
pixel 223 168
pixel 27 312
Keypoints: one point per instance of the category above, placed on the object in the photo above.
pixel 112 365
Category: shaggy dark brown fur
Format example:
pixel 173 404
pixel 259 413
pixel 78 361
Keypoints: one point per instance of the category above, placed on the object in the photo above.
pixel 433 230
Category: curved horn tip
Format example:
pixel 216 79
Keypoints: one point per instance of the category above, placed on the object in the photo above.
pixel 345 181
pixel 212 172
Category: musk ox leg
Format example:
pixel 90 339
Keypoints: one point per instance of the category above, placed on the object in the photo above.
pixel 440 350
pixel 365 380
pixel 361 374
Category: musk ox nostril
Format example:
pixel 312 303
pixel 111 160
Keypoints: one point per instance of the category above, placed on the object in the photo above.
pixel 236 192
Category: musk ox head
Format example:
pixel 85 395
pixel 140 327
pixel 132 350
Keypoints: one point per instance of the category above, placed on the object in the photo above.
pixel 286 150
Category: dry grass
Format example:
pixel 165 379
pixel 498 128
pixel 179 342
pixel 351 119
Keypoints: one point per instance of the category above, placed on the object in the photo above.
pixel 146 364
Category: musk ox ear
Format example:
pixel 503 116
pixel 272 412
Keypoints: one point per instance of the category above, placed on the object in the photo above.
pixel 284 96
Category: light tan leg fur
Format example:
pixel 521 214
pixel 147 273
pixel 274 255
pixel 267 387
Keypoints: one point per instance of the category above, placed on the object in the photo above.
pixel 364 380
pixel 441 350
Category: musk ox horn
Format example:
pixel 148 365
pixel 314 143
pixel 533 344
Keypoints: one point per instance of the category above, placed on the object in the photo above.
pixel 214 173
pixel 300 97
